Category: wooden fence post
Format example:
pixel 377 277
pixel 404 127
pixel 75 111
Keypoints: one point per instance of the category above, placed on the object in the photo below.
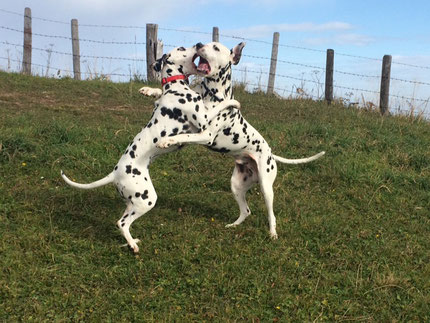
pixel 329 76
pixel 151 51
pixel 215 34
pixel 385 84
pixel 75 50
pixel 273 61
pixel 26 56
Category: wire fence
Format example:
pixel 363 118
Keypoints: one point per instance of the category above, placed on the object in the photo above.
pixel 294 78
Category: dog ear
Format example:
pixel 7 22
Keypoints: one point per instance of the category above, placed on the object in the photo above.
pixel 236 53
pixel 159 63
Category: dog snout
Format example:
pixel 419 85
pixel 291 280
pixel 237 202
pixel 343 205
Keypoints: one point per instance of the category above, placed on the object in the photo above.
pixel 199 46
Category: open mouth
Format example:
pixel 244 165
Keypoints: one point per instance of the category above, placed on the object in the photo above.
pixel 203 65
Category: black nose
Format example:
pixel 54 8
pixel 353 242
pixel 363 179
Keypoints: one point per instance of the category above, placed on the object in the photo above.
pixel 199 45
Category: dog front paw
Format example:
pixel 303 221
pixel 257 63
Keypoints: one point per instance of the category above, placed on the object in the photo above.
pixel 235 104
pixel 166 143
pixel 132 245
pixel 273 235
pixel 147 91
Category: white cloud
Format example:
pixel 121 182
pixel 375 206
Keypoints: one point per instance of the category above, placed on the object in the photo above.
pixel 341 39
pixel 259 31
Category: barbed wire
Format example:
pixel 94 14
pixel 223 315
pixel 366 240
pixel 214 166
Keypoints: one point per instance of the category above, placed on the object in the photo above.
pixel 312 66
pixel 70 54
pixel 280 75
pixel 206 33
pixel 37 18
pixel 80 39
pixel 245 55
pixel 223 35
pixel 336 71
pixel 298 91
pixel 64 69
pixel 334 85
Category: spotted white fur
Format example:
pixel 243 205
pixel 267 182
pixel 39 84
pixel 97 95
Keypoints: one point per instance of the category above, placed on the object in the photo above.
pixel 180 110
pixel 230 133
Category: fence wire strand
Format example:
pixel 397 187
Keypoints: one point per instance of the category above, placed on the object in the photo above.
pixel 50 50
pixel 80 39
pixel 223 35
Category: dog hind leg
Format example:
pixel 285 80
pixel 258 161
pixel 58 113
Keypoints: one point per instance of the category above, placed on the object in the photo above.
pixel 266 178
pixel 243 178
pixel 141 202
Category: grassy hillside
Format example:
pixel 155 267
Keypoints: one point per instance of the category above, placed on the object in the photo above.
pixel 354 226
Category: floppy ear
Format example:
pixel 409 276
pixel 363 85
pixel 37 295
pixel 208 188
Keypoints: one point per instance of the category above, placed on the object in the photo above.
pixel 236 53
pixel 159 63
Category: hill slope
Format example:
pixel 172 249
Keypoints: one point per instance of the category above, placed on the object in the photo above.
pixel 353 227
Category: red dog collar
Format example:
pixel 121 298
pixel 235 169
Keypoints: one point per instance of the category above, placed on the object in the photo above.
pixel 166 80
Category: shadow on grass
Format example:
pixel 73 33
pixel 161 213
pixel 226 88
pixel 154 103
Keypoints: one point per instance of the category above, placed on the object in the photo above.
pixel 92 215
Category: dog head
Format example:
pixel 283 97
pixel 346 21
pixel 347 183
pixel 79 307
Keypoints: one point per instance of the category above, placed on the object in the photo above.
pixel 179 61
pixel 215 57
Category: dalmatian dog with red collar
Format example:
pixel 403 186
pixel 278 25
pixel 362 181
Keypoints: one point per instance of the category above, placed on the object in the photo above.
pixel 179 110
pixel 230 133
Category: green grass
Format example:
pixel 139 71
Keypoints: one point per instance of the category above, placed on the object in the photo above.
pixel 354 226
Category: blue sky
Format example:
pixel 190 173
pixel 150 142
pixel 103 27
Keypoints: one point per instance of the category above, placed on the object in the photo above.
pixel 360 28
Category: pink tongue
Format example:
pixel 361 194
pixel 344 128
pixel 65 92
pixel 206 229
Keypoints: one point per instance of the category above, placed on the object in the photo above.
pixel 203 67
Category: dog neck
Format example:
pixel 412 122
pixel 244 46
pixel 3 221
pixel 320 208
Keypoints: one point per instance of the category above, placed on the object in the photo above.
pixel 169 79
pixel 218 87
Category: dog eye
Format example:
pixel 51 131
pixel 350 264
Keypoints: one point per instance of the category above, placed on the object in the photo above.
pixel 216 48
pixel 181 49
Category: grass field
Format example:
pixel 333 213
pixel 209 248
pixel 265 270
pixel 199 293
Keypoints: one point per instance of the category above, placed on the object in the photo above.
pixel 354 226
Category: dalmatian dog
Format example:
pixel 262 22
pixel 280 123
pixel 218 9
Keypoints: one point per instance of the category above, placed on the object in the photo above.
pixel 179 110
pixel 230 133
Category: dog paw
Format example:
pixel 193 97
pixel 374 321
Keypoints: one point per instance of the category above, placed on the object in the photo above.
pixel 133 245
pixel 166 143
pixel 273 236
pixel 236 104
pixel 231 225
pixel 147 91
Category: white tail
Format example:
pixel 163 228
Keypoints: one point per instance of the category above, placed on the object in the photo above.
pixel 106 180
pixel 299 161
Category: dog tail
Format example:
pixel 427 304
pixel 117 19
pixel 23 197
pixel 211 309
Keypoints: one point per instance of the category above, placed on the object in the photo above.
pixel 298 161
pixel 106 180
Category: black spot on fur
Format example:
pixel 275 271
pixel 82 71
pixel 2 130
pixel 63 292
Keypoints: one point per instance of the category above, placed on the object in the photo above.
pixel 236 138
pixel 144 196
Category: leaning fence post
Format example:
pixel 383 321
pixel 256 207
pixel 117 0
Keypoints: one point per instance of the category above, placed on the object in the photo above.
pixel 274 59
pixel 385 84
pixel 26 56
pixel 215 34
pixel 75 50
pixel 151 48
pixel 329 76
